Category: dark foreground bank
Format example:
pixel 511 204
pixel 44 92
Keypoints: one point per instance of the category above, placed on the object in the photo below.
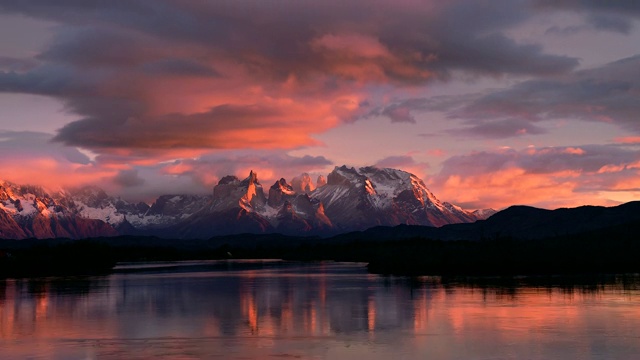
pixel 56 257
pixel 610 250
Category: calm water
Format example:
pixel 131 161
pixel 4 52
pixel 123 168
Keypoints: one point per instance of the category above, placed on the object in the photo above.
pixel 280 310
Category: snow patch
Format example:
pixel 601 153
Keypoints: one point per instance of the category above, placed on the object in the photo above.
pixel 108 214
pixel 270 213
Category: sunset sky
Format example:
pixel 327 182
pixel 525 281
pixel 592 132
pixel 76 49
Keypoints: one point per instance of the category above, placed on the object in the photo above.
pixel 492 103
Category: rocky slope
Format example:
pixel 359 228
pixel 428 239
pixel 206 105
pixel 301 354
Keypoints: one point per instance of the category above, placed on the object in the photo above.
pixel 93 203
pixel 242 207
pixel 30 212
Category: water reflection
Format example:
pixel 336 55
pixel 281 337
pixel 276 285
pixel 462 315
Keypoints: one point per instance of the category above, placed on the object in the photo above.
pixel 316 310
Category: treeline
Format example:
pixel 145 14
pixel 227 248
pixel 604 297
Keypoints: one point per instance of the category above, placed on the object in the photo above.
pixel 610 250
pixel 64 257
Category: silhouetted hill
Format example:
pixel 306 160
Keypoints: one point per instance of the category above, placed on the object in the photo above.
pixel 515 222
pixel 523 222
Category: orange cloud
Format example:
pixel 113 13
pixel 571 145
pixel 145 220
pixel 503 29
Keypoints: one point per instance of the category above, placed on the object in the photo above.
pixel 628 140
pixel 560 150
pixel 574 151
pixel 436 152
pixel 177 169
pixel 50 172
pixel 44 163
pixel 511 186
pixel 628 184
pixel 546 177
pixel 610 168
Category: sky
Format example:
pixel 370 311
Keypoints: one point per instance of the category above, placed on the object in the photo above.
pixel 492 103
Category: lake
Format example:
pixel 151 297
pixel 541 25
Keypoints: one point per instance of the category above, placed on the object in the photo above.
pixel 289 310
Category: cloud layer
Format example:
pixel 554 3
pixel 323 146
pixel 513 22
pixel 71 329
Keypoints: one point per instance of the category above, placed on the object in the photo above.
pixel 605 94
pixel 609 94
pixel 164 75
pixel 549 177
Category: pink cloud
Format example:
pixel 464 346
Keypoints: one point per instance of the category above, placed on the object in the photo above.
pixel 610 168
pixel 436 152
pixel 628 140
pixel 406 163
pixel 356 45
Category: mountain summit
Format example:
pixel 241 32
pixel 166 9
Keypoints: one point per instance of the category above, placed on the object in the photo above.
pixel 361 198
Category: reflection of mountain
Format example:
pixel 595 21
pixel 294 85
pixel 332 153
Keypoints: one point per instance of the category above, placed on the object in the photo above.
pixel 308 310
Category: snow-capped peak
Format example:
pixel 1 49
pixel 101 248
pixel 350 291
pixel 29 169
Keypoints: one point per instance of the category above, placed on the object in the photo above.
pixel 483 214
pixel 380 196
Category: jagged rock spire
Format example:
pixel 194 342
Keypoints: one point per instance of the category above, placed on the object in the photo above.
pixel 322 181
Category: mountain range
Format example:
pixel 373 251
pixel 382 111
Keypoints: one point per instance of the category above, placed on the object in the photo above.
pixel 347 200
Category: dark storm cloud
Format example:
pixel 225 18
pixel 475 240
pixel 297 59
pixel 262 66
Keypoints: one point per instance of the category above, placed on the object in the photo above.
pixel 12 64
pixel 37 145
pixel 496 54
pixel 179 67
pixel 596 22
pixel 398 114
pixel 462 33
pixel 607 15
pixel 115 63
pixel 128 178
pixel 426 35
pixel 401 162
pixel 565 30
pixel 61 81
pixel 88 47
pixel 626 7
pixel 609 93
pixel 500 129
pixel 609 22
pixel 547 160
pixel 405 110
pixel 605 94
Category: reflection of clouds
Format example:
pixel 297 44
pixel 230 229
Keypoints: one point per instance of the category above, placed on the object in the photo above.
pixel 314 309
pixel 371 314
